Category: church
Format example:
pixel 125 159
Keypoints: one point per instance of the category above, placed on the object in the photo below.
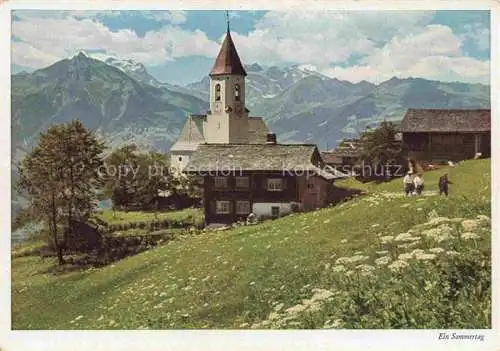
pixel 228 120
pixel 265 178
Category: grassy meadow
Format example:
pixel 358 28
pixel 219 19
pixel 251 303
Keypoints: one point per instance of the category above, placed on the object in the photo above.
pixel 117 217
pixel 378 261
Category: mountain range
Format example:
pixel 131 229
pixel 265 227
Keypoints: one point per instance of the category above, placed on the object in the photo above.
pixel 123 103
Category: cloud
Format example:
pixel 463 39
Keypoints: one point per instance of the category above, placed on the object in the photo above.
pixel 59 38
pixel 433 53
pixel 351 45
pixel 323 37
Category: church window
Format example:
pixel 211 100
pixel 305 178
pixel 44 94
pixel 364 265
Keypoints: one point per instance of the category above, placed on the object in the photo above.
pixel 180 158
pixel 217 92
pixel 237 92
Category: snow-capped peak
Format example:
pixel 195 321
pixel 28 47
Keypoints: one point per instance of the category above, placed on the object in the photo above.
pixel 78 53
pixel 126 65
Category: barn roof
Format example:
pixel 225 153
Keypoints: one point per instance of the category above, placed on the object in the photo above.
pixel 446 120
pixel 257 157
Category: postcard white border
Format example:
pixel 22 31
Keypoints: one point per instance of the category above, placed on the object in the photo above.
pixel 238 340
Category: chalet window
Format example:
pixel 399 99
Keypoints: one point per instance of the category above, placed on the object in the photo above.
pixel 237 92
pixel 242 182
pixel 310 185
pixel 243 207
pixel 222 207
pixel 220 182
pixel 275 184
pixel 217 92
pixel 180 158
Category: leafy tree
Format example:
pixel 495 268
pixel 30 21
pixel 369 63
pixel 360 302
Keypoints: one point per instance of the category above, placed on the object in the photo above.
pixel 61 179
pixel 379 146
pixel 134 179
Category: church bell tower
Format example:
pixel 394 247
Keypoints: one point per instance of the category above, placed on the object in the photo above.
pixel 228 118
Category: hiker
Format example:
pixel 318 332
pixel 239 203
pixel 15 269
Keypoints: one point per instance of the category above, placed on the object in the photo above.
pixel 418 181
pixel 408 183
pixel 443 184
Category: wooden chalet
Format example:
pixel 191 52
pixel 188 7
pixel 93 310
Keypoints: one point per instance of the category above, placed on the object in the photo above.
pixel 446 135
pixel 269 180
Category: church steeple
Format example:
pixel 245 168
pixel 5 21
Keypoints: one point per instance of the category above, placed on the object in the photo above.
pixel 228 60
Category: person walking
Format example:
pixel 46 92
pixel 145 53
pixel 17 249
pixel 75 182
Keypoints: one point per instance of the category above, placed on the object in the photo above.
pixel 418 181
pixel 443 184
pixel 408 183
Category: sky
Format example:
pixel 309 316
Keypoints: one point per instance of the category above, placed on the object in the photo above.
pixel 180 47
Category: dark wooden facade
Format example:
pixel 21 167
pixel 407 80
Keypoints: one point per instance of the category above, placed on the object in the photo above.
pixel 442 147
pixel 256 191
pixel 302 192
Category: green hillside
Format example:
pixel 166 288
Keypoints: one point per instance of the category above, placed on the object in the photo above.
pixel 379 261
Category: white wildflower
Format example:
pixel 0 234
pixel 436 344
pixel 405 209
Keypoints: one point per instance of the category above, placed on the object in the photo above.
pixel 365 269
pixel 405 237
pixel 386 239
pixel 382 260
pixel 321 294
pixel 296 309
pixel 382 252
pixel 408 245
pixel 332 324
pixel 278 307
pixel 405 256
pixel 343 241
pixel 436 250
pixel 252 283
pixel 484 219
pixel 470 225
pixel 432 214
pixel 398 265
pixel 469 236
pixel 439 234
pixel 339 268
pixel 352 259
pixel 438 220
pixel 452 253
pixel 425 257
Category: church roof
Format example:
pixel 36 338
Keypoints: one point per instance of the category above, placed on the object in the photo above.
pixel 228 61
pixel 293 158
pixel 191 135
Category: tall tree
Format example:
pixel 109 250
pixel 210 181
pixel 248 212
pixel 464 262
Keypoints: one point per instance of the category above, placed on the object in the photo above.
pixel 379 145
pixel 60 176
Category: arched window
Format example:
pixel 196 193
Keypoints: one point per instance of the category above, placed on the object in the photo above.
pixel 237 92
pixel 217 92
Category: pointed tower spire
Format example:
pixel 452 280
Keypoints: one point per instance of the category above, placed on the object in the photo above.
pixel 228 61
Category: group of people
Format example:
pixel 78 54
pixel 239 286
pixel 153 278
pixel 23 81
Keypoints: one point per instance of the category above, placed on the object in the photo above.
pixel 414 184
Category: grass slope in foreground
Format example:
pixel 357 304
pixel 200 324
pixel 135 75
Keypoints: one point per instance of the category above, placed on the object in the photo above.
pixel 374 262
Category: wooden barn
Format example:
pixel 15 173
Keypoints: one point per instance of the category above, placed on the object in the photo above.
pixel 446 135
pixel 269 180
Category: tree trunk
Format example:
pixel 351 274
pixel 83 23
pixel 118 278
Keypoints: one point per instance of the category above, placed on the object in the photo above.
pixel 57 246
